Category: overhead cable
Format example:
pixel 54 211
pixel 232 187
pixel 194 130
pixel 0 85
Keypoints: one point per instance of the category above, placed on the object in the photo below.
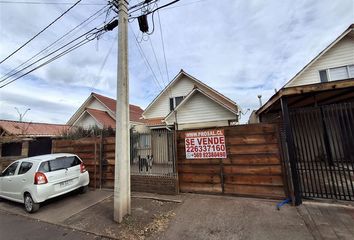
pixel 61 15
pixel 82 24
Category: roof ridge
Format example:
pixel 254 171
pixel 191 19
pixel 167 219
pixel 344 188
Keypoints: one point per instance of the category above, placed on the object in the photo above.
pixel 14 121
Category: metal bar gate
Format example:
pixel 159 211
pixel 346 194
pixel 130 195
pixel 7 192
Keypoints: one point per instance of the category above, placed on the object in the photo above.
pixel 324 150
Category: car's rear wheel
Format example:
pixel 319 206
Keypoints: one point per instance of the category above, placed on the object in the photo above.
pixel 83 189
pixel 30 205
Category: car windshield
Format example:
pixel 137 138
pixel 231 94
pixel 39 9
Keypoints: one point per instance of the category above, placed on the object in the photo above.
pixel 59 163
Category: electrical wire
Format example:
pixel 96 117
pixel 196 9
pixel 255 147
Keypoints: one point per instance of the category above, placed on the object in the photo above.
pixel 82 24
pixel 61 15
pixel 141 51
pixel 163 47
pixel 48 3
pixel 83 42
pixel 95 82
pixel 53 52
pixel 157 62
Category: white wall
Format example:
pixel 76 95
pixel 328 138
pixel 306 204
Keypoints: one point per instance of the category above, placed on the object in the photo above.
pixel 94 104
pixel 201 109
pixel 86 121
pixel 341 54
pixel 162 106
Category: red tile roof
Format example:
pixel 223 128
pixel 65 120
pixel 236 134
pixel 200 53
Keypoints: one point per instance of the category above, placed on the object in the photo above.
pixel 135 111
pixel 102 117
pixel 32 129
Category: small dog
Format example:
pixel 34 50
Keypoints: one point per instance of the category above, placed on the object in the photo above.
pixel 145 163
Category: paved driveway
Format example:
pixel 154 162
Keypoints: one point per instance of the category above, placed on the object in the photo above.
pixel 219 217
pixel 57 210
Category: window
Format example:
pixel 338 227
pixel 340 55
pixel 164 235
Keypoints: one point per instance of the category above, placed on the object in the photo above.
pixel 174 102
pixel 11 149
pixel 323 76
pixel 10 171
pixel 338 73
pixel 25 167
pixel 351 71
pixel 62 163
pixel 44 167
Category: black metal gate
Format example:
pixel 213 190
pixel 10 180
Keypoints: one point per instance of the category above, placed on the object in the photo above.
pixel 324 150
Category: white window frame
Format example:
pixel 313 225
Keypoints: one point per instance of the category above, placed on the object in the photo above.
pixel 329 74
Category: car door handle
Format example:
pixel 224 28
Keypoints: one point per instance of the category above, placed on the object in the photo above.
pixel 24 180
pixel 9 180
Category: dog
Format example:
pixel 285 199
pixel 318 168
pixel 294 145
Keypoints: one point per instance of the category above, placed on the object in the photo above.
pixel 145 163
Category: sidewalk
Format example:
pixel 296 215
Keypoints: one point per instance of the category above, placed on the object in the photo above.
pixel 196 216
pixel 328 221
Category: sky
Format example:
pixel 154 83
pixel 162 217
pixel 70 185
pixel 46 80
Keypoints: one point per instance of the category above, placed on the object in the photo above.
pixel 241 48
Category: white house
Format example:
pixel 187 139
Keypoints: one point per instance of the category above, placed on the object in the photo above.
pixel 327 78
pixel 99 111
pixel 335 62
pixel 188 103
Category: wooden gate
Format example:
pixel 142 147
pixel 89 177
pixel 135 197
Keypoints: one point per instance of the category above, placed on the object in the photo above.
pixel 252 167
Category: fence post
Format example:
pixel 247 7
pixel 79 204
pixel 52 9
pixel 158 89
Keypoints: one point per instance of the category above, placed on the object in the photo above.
pixel 101 158
pixel 291 150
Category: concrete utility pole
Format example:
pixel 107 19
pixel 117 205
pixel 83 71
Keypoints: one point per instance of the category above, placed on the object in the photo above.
pixel 122 152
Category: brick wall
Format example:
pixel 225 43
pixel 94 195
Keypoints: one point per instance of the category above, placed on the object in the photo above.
pixel 154 184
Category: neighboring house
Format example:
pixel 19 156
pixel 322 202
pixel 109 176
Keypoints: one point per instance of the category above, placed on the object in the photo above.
pixel 26 139
pixel 335 62
pixel 315 110
pixel 330 73
pixel 99 111
pixel 188 103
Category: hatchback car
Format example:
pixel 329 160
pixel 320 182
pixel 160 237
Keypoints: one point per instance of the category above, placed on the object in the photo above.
pixel 36 179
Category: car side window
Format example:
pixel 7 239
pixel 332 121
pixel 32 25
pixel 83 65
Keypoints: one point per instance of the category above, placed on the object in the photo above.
pixel 44 167
pixel 25 167
pixel 10 171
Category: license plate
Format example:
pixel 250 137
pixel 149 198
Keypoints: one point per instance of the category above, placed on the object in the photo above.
pixel 66 183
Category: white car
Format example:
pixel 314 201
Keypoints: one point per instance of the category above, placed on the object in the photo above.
pixel 36 179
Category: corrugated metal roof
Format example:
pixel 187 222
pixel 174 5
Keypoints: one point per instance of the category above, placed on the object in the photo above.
pixel 32 129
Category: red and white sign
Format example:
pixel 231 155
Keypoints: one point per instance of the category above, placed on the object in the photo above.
pixel 205 144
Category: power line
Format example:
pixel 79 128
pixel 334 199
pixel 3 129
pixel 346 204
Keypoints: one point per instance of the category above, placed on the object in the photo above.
pixel 163 47
pixel 103 64
pixel 40 32
pixel 82 24
pixel 53 52
pixel 48 3
pixel 141 51
pixel 89 36
pixel 157 62
pixel 83 42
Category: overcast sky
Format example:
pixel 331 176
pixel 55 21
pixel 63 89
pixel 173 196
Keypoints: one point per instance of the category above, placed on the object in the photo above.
pixel 242 48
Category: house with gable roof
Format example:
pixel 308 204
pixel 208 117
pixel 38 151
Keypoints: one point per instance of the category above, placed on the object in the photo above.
pixel 188 103
pixel 316 108
pixel 99 110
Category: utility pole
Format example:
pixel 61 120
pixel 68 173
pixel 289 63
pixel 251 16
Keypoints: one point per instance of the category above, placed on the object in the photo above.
pixel 122 149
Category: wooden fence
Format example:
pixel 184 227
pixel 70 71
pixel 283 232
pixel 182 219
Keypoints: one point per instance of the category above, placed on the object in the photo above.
pixel 97 155
pixel 252 167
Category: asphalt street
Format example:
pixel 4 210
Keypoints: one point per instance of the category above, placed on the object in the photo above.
pixel 15 227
